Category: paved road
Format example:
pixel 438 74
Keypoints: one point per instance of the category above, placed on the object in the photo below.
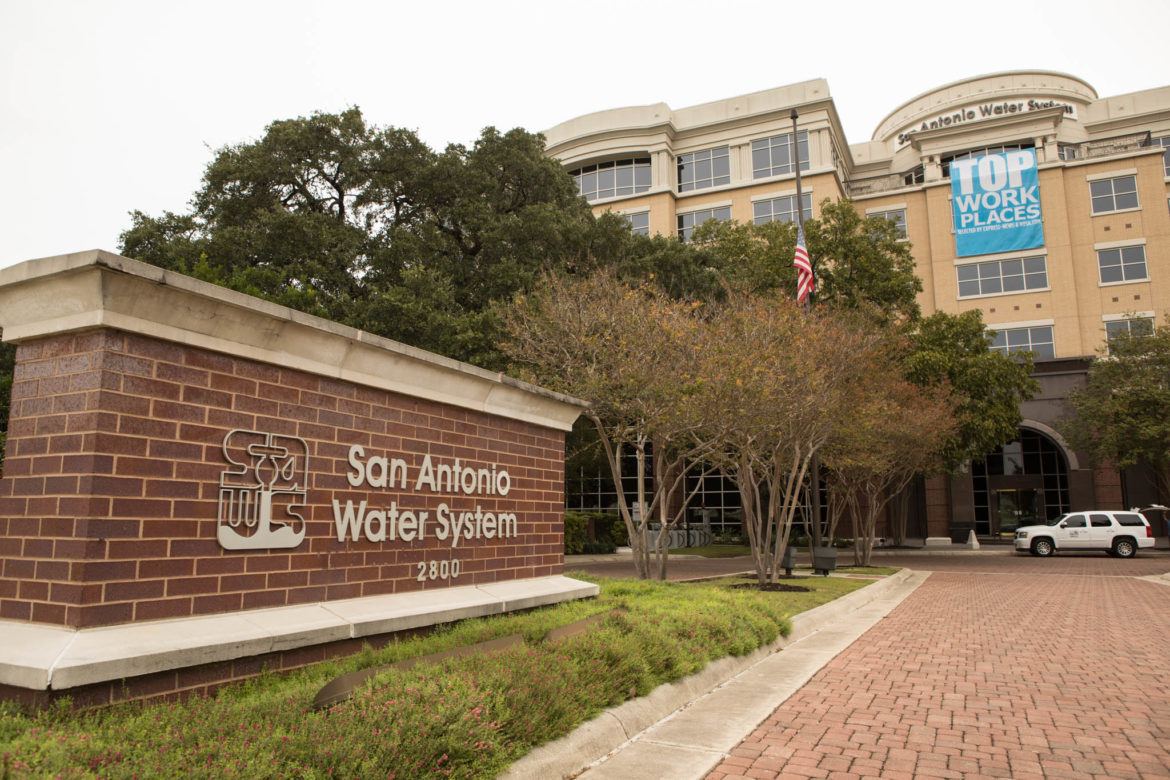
pixel 997 666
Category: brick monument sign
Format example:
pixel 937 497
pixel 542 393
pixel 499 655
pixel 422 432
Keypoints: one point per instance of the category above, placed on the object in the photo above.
pixel 199 484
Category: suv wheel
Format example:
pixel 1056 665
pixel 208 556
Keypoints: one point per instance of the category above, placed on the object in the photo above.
pixel 1124 548
pixel 1043 547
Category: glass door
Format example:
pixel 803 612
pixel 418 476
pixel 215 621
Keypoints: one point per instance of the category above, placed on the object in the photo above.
pixel 1015 507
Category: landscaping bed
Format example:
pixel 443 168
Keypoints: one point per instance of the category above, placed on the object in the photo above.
pixel 464 717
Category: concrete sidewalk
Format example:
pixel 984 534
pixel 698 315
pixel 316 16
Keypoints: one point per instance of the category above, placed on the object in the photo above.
pixel 685 729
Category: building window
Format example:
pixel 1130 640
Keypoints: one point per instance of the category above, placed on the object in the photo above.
pixel 639 223
pixel 773 156
pixel 708 168
pixel 973 153
pixel 898 215
pixel 781 209
pixel 691 220
pixel 914 176
pixel 613 179
pixel 1067 151
pixel 1136 326
pixel 1114 194
pixel 1164 142
pixel 1003 276
pixel 1122 264
pixel 1037 340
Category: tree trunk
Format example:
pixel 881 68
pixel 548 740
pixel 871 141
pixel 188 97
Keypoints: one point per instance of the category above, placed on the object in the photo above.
pixel 900 516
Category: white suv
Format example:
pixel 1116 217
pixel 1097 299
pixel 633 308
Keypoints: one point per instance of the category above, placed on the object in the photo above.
pixel 1118 533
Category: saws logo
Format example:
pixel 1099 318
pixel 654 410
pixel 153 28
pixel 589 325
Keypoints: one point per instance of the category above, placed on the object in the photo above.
pixel 262 491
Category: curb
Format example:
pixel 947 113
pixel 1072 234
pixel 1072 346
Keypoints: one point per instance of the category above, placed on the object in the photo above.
pixel 596 738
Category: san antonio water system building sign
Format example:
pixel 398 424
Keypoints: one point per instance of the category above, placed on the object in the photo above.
pixel 205 476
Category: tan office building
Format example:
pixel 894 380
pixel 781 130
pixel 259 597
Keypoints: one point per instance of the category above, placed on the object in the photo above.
pixel 1101 169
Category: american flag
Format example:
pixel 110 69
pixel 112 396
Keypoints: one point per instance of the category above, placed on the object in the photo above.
pixel 805 283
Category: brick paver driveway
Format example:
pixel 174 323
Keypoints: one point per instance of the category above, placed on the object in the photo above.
pixel 997 666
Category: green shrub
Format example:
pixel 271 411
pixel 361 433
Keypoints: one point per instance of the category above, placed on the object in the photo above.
pixel 619 532
pixel 575 525
pixel 600 546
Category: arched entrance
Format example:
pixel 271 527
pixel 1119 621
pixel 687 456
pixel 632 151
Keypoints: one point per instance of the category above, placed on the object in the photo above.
pixel 1021 483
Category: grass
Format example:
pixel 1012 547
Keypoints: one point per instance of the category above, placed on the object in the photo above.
pixel 468 717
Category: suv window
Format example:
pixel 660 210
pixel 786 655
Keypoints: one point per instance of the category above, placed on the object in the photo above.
pixel 1074 522
pixel 1130 518
pixel 1099 521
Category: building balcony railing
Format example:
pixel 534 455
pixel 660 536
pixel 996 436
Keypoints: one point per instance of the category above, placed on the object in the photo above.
pixel 856 188
pixel 1086 150
pixel 1105 147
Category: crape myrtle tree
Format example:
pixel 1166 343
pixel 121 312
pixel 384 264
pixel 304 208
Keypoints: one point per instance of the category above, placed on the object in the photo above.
pixel 783 377
pixel 628 351
pixel 1122 415
pixel 862 264
pixel 367 226
pixel 896 432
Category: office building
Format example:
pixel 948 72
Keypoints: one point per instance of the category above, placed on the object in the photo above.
pixel 1061 236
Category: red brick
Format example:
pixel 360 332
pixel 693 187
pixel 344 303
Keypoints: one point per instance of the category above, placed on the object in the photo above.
pixel 227 419
pixel 123 404
pixel 183 412
pixel 99 615
pixel 207 397
pixel 225 565
pixel 246 582
pixel 145 426
pixel 159 488
pixel 136 590
pixel 175 450
pixel 267 563
pixel 108 528
pixel 166 567
pixel 32 590
pixel 48 613
pixel 80 548
pixel 152 388
pixel 72 593
pixel 189 586
pixel 183 375
pixel 111 444
pixel 126 364
pixel 101 571
pixel 136 548
pixel 208 605
pixel 163 608
pixel 263 599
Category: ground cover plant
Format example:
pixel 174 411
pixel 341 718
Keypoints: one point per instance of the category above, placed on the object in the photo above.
pixel 467 717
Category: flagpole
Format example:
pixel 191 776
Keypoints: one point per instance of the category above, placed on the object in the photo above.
pixel 799 195
pixel 815 463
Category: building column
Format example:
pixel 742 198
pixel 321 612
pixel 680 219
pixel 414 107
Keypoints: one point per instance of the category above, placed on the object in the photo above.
pixel 1106 488
pixel 938 506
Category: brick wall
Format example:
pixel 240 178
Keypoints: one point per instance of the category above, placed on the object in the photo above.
pixel 111 487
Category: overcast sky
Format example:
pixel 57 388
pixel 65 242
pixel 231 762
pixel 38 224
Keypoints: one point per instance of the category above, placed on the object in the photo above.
pixel 114 105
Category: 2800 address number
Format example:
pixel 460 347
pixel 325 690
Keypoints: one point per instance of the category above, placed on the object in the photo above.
pixel 437 570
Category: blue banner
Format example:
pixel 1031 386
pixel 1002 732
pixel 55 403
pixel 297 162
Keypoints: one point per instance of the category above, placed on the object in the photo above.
pixel 996 203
